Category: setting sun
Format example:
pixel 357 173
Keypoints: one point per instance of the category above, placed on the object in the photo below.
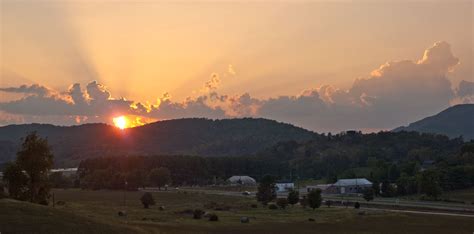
pixel 120 122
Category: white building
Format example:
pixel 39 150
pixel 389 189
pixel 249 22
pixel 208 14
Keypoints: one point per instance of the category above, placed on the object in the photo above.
pixel 357 185
pixel 283 186
pixel 65 171
pixel 242 180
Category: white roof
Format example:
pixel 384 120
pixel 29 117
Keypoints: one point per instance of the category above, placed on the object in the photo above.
pixel 243 179
pixel 74 169
pixel 352 182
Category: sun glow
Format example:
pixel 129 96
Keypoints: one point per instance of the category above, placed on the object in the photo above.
pixel 131 121
pixel 121 122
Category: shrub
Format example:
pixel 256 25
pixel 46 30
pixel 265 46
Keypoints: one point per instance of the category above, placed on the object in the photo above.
pixel 213 217
pixel 197 214
pixel 254 206
pixel 293 197
pixel 328 203
pixel 311 220
pixel 314 198
pixel 282 202
pixel 357 205
pixel 272 207
pixel 147 200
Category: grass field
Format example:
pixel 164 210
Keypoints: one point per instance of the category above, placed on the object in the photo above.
pixel 96 212
pixel 466 195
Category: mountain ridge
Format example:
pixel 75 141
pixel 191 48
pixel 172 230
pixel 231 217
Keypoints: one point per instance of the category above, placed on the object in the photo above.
pixel 453 122
pixel 191 136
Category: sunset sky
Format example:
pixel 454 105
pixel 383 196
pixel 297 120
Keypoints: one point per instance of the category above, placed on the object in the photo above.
pixel 322 65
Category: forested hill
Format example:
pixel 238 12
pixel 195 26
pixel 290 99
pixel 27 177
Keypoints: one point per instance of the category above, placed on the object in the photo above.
pixel 454 122
pixel 204 137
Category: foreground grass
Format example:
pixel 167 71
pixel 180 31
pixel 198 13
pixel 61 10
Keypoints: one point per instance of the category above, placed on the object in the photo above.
pixel 97 211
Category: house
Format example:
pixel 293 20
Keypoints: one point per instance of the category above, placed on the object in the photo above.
pixel 241 180
pixel 344 186
pixel 284 185
pixel 322 187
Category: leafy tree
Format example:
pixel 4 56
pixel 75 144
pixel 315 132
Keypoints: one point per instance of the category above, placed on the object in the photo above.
pixel 16 180
pixel 369 194
pixel 135 179
pixel 314 198
pixel 36 159
pixel 406 185
pixel 387 189
pixel 282 202
pixel 429 183
pixel 147 200
pixel 266 189
pixel 293 197
pixel 160 177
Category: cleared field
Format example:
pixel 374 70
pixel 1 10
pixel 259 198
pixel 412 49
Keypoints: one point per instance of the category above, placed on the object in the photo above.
pixel 97 210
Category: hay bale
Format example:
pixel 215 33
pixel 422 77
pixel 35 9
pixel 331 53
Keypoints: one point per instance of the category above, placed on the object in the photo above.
pixel 213 217
pixel 122 213
pixel 244 219
pixel 60 203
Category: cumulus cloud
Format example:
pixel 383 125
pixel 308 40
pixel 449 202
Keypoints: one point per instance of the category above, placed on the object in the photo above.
pixel 29 89
pixel 465 92
pixel 396 93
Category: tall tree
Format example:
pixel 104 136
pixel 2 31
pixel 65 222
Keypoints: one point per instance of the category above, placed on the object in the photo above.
pixel 36 159
pixel 314 198
pixel 266 189
pixel 160 177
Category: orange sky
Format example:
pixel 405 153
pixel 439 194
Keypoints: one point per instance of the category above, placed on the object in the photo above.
pixel 143 49
pixel 265 58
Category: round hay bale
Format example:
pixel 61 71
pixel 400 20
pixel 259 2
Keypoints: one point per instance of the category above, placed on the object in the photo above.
pixel 244 219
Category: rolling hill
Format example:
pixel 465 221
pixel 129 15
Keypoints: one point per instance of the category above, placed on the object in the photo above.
pixel 454 122
pixel 228 137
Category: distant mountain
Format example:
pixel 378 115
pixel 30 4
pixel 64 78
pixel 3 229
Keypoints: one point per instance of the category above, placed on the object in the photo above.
pixel 228 137
pixel 454 122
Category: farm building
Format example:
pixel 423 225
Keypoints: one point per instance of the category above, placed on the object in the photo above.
pixel 283 185
pixel 342 186
pixel 65 171
pixel 323 187
pixel 242 180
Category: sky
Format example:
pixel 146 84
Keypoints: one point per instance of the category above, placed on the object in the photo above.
pixel 321 65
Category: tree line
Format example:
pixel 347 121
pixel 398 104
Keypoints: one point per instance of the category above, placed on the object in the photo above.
pixel 393 161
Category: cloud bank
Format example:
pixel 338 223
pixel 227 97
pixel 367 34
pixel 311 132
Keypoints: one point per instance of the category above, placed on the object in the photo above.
pixel 396 93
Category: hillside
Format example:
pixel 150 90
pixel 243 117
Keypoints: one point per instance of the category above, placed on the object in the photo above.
pixel 454 122
pixel 229 137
